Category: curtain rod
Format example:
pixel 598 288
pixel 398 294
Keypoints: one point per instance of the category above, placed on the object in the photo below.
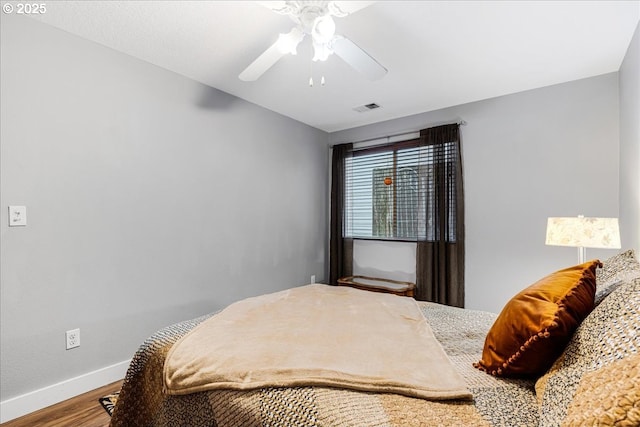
pixel 461 123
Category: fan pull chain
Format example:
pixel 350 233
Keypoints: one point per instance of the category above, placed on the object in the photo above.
pixel 322 79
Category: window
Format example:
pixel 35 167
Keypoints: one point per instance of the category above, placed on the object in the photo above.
pixel 390 192
pixel 411 191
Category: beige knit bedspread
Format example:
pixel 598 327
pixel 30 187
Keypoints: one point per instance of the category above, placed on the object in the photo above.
pixel 315 335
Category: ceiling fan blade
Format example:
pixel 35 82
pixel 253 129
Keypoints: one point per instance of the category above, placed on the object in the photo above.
pixel 357 58
pixel 262 63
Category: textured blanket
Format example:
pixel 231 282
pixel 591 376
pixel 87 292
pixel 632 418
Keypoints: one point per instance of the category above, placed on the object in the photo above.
pixel 316 335
pixel 496 401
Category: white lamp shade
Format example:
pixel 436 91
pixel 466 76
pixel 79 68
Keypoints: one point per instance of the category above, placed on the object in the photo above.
pixel 583 232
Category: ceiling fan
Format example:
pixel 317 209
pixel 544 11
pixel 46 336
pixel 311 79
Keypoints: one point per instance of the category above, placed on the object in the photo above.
pixel 315 19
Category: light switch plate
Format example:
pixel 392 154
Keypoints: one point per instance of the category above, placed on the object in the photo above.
pixel 17 216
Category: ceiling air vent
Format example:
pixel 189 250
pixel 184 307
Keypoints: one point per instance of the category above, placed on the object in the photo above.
pixel 366 107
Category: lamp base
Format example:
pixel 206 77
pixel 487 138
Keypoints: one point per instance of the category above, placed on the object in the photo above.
pixel 582 254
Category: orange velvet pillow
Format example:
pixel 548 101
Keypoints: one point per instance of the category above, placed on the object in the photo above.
pixel 536 324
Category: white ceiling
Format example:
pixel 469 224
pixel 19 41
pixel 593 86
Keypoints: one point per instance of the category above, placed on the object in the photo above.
pixel 438 53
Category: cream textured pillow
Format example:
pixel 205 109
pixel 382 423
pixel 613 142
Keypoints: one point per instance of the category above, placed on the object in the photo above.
pixel 608 338
pixel 609 396
pixel 536 324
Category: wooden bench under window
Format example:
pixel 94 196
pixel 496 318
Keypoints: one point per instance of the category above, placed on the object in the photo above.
pixel 376 284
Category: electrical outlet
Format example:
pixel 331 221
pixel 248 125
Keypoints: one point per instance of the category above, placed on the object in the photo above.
pixel 73 338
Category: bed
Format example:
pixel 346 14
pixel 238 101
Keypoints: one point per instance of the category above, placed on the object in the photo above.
pixel 592 379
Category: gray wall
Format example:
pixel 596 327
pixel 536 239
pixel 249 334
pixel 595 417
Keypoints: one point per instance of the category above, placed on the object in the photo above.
pixel 150 199
pixel 630 146
pixel 546 152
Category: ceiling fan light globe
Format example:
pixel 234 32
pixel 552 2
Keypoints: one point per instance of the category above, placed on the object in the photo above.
pixel 324 28
pixel 288 43
pixel 321 52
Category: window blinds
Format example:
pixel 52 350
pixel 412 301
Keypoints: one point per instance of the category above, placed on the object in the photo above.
pixel 391 191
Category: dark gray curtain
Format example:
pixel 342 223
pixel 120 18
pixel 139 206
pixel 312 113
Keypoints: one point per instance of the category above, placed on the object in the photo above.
pixel 440 248
pixel 340 248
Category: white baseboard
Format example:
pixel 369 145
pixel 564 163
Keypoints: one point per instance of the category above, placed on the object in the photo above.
pixel 47 396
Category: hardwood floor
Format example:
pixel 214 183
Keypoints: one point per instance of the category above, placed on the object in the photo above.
pixel 79 411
